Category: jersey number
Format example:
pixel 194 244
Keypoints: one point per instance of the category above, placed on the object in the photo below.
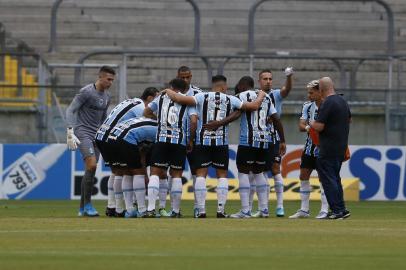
pixel 260 119
pixel 172 115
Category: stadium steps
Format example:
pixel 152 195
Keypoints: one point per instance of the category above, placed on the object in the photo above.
pixel 87 25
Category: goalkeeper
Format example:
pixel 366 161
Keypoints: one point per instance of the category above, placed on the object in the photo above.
pixel 84 116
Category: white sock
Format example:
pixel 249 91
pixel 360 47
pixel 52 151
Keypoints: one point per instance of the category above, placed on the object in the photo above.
pixel 139 192
pixel 128 192
pixel 111 200
pixel 163 192
pixel 305 190
pixel 253 189
pixel 222 192
pixel 267 185
pixel 200 193
pixel 324 202
pixel 279 190
pixel 118 193
pixel 195 206
pixel 153 190
pixel 169 189
pixel 176 192
pixel 244 190
pixel 261 191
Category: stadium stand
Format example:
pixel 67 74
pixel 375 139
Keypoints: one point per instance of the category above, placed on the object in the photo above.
pixel 295 27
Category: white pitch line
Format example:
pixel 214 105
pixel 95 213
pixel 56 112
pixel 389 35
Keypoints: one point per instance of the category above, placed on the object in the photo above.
pixel 69 231
pixel 136 253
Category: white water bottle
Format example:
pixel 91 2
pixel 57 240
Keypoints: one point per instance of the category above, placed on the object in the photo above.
pixel 29 171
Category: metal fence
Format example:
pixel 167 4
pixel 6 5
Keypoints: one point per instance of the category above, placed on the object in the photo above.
pixel 385 96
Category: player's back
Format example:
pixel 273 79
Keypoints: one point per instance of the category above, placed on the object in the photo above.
pixel 212 106
pixel 127 109
pixel 254 128
pixel 172 120
pixel 135 131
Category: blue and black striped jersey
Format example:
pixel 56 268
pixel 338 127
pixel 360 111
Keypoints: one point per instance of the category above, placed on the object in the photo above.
pixel 309 113
pixel 129 108
pixel 254 128
pixel 172 120
pixel 135 131
pixel 214 106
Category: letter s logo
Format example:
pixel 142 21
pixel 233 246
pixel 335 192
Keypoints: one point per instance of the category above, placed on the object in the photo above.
pixel 367 175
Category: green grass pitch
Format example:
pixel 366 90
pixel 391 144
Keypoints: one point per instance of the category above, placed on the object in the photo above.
pixel 48 235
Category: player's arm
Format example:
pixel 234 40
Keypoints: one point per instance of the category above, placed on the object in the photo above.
pixel 149 113
pixel 317 126
pixel 213 125
pixel 288 84
pixel 303 126
pixel 275 120
pixel 326 109
pixel 303 123
pixel 193 127
pixel 71 113
pixel 181 99
pixel 254 105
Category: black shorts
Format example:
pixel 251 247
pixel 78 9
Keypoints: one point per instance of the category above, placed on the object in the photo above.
pixel 120 154
pixel 146 152
pixel 105 151
pixel 308 162
pixel 273 156
pixel 205 156
pixel 191 160
pixel 165 155
pixel 255 158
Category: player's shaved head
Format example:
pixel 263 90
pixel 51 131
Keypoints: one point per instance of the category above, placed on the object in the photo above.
pixel 326 86
pixel 185 73
pixel 184 69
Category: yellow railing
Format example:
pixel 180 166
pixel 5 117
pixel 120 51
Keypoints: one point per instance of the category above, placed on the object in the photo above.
pixel 14 95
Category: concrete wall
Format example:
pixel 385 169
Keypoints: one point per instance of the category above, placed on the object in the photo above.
pixel 18 126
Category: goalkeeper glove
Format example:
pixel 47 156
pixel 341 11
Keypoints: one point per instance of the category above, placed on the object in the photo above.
pixel 71 140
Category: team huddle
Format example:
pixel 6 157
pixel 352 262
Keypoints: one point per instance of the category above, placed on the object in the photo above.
pixel 146 142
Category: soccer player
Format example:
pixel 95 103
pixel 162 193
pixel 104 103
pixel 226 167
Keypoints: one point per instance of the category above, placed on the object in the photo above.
pixel 122 151
pixel 127 109
pixel 84 116
pixel 185 73
pixel 252 154
pixel 169 150
pixel 211 146
pixel 309 155
pixel 274 165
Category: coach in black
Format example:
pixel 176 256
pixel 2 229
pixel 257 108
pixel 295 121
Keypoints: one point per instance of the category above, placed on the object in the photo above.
pixel 333 125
